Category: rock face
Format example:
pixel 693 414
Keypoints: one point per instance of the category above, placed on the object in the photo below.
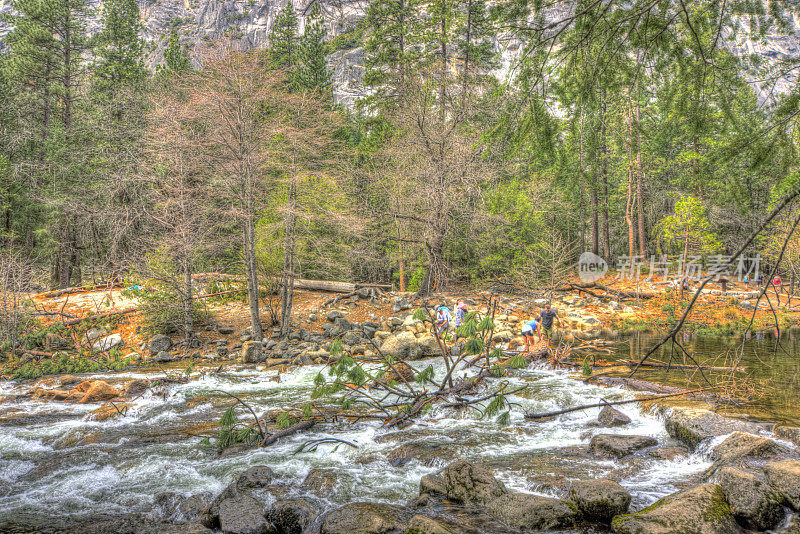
pixel 471 483
pixel 600 499
pixel 611 417
pixel 784 477
pixel 700 510
pixel 619 445
pixel 365 518
pixel 754 504
pixel 693 425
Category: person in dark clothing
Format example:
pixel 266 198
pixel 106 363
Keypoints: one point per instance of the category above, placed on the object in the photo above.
pixel 548 315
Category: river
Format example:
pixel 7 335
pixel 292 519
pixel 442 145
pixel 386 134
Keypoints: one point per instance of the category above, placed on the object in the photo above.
pixel 55 462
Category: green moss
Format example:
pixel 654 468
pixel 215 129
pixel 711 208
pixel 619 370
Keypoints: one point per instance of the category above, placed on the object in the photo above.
pixel 719 509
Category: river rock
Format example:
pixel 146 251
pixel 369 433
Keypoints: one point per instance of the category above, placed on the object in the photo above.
pixel 424 452
pixel 159 343
pixel 259 476
pixel 108 343
pixel 291 516
pixel 789 433
pixel 351 338
pixel 700 510
pixel 333 315
pixel 252 352
pixel 164 357
pixel 95 391
pixel 243 514
pixel 432 484
pixel 69 380
pixel 612 417
pixel 784 477
pixel 471 483
pixel 321 481
pixel 420 524
pixel 398 372
pixel 754 504
pixel 179 508
pixel 365 518
pixel 107 411
pixel 226 329
pixel 619 445
pixel 740 446
pixel 791 526
pixel 600 499
pixel 137 387
pixel 401 345
pixel 693 425
pixel 532 512
pixel 49 394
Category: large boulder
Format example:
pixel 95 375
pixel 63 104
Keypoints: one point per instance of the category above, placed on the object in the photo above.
pixel 432 484
pixel 420 524
pixel 365 518
pixel 700 510
pixel 741 446
pixel 428 346
pixel 532 512
pixel 179 508
pixel 619 445
pixel 253 352
pixel 243 514
pixel 108 343
pixel 251 483
pixel 784 477
pixel 401 345
pixel 789 433
pixel 754 504
pixel 256 477
pixel 693 425
pixel 321 481
pixel 470 483
pixel 291 516
pixel 612 417
pixel 160 343
pixel 600 499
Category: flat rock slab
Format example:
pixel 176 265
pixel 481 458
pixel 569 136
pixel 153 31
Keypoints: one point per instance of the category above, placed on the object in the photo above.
pixel 693 425
pixel 700 510
pixel 741 446
pixel 753 503
pixel 243 515
pixel 533 512
pixel 365 518
pixel 600 499
pixel 784 477
pixel 619 445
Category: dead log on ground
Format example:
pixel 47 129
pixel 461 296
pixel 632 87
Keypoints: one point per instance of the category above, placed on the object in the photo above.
pixel 103 315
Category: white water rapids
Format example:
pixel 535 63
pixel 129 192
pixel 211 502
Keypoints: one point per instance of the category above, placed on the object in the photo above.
pixel 55 461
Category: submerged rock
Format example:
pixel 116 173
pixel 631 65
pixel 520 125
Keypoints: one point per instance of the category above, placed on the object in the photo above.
pixel 600 499
pixel 321 480
pixel 432 484
pixel 179 508
pixel 365 518
pixel 700 510
pixel 754 504
pixel 619 445
pixel 425 452
pixel 693 425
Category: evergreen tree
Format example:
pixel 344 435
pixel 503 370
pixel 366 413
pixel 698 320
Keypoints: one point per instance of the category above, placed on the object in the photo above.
pixel 119 48
pixel 312 69
pixel 392 27
pixel 176 56
pixel 474 43
pixel 283 38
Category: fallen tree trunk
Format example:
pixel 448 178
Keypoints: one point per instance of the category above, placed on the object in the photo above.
pixel 79 320
pixel 272 438
pixel 614 403
pixel 76 289
pixel 659 365
pixel 631 295
pixel 34 353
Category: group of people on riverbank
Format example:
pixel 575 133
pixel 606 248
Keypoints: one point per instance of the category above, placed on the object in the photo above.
pixel 540 325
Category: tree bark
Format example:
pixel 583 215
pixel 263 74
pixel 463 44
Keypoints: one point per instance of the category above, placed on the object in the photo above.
pixel 287 295
pixel 639 187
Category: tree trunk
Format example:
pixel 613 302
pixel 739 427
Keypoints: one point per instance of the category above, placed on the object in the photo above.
pixel 251 272
pixel 287 291
pixel 580 188
pixel 640 188
pixel 595 223
pixel 443 51
pixel 188 310
pixel 629 204
pixel 435 274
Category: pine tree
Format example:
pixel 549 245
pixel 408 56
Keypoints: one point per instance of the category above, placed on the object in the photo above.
pixel 283 38
pixel 474 43
pixel 390 52
pixel 312 69
pixel 119 49
pixel 176 56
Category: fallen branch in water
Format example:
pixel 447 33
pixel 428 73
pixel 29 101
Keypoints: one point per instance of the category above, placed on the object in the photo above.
pixel 272 438
pixel 255 417
pixel 659 365
pixel 314 443
pixel 614 403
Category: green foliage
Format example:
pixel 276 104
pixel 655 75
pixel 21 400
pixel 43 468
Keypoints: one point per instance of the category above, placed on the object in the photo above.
pixel 118 47
pixel 416 279
pixel 176 56
pixel 283 38
pixel 231 431
pixel 586 367
pixel 311 72
pixel 688 226
pixel 161 310
pixel 426 375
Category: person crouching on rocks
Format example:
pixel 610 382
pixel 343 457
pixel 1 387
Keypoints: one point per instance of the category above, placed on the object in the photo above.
pixel 528 330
